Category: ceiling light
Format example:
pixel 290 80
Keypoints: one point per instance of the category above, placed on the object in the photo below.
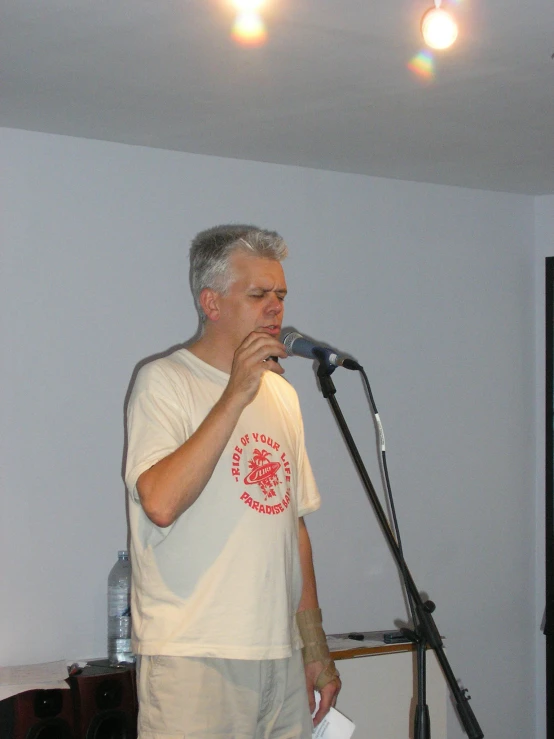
pixel 248 6
pixel 439 28
pixel 249 29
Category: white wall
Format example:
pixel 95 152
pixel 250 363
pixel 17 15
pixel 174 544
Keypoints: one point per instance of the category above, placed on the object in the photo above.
pixel 429 287
pixel 544 247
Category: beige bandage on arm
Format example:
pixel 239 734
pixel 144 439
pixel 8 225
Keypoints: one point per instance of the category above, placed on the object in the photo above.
pixel 315 645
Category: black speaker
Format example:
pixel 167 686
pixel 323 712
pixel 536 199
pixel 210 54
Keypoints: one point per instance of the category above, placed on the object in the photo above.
pixel 38 714
pixel 104 702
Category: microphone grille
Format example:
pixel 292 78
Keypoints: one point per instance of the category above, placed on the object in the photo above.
pixel 288 340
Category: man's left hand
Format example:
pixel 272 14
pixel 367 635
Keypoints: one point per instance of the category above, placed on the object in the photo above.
pixel 328 693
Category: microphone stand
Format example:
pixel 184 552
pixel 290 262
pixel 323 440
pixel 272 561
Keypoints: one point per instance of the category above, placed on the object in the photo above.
pixel 425 632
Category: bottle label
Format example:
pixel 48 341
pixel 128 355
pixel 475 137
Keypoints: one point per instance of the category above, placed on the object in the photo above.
pixel 118 603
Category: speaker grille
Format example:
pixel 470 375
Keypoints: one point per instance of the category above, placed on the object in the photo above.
pixel 50 729
pixel 109 725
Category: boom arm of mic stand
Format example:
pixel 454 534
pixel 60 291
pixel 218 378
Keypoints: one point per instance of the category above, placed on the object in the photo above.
pixel 426 624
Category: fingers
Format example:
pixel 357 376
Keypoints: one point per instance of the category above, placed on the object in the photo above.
pixel 320 715
pixel 337 685
pixel 258 348
pixel 251 360
pixel 311 698
pixel 273 365
pixel 328 700
pixel 260 345
pixel 323 709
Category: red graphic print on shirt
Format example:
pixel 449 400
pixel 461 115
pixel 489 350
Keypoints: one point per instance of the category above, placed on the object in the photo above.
pixel 259 453
pixel 263 473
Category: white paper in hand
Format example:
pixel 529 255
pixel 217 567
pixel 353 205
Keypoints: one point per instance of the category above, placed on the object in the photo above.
pixel 334 726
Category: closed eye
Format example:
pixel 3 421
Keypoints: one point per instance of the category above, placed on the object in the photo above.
pixel 280 295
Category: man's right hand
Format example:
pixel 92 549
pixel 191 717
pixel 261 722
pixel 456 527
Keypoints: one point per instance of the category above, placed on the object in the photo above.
pixel 251 360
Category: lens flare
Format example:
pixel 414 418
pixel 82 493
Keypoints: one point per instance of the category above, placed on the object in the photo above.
pixel 422 64
pixel 249 29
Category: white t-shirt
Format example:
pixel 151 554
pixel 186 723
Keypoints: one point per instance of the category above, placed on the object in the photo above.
pixel 223 580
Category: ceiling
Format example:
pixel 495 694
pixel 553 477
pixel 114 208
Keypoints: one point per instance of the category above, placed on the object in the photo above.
pixel 332 88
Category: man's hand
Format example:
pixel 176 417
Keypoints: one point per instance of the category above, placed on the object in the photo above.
pixel 251 360
pixel 328 693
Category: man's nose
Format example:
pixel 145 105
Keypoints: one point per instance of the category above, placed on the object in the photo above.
pixel 275 305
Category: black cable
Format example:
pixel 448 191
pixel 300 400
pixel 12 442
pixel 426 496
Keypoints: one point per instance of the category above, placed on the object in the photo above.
pixel 388 491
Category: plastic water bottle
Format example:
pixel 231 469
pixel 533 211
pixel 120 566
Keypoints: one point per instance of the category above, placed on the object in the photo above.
pixel 119 611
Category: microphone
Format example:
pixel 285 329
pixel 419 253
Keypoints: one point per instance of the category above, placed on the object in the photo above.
pixel 297 345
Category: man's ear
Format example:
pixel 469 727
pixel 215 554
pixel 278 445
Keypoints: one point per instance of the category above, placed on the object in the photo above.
pixel 209 300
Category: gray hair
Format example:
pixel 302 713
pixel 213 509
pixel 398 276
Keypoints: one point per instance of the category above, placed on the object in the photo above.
pixel 211 251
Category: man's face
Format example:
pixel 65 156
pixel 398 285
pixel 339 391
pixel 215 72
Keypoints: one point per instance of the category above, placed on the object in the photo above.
pixel 254 301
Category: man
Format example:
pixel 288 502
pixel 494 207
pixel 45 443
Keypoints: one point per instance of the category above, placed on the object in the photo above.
pixel 219 482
